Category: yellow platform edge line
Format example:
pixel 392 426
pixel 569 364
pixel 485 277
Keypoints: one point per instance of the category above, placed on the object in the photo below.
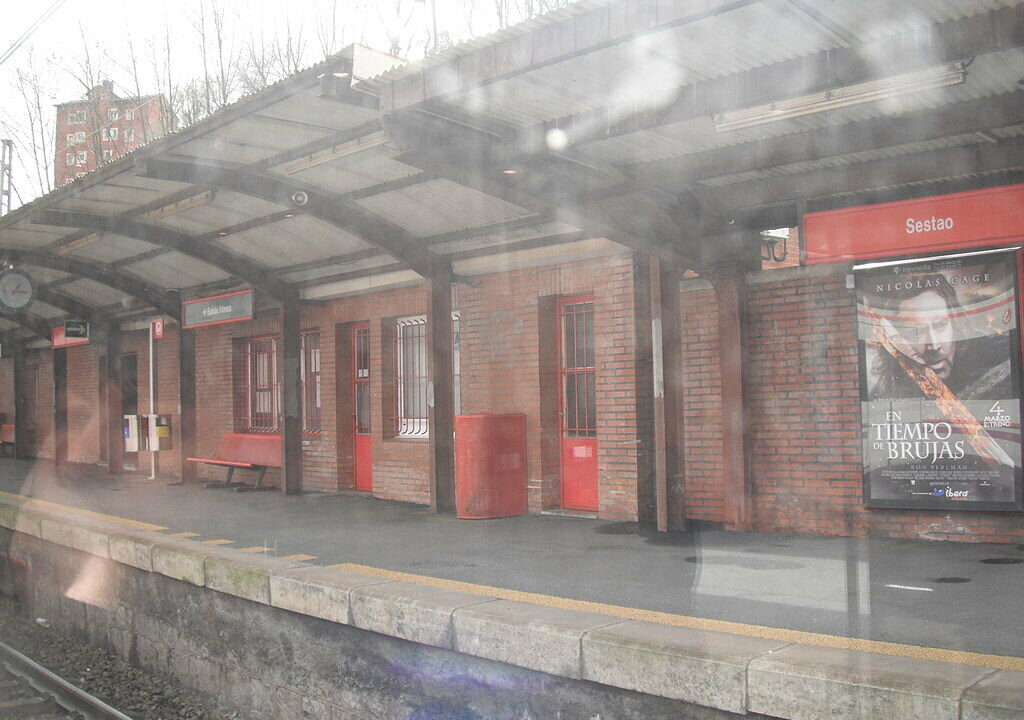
pixel 959 657
pixel 185 534
pixel 256 549
pixel 300 557
pixel 137 524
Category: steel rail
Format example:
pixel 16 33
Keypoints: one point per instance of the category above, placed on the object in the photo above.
pixel 63 693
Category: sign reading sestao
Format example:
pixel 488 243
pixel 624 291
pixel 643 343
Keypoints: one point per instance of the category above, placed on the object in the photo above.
pixel 232 307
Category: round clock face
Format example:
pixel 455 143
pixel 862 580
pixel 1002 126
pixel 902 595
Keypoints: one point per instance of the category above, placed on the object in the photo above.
pixel 16 290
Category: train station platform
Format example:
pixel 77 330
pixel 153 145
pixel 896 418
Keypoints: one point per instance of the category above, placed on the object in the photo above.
pixel 923 601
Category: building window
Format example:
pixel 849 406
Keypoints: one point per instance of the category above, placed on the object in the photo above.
pixel 129 134
pixel 311 382
pixel 258 395
pixel 412 375
pixel 110 134
pixel 77 117
pixel 108 155
pixel 113 114
pixel 69 159
pixel 129 114
pixel 71 139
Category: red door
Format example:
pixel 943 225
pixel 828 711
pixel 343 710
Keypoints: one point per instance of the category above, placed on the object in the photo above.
pixel 577 403
pixel 363 451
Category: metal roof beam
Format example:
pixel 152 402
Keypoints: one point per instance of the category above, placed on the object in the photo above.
pixel 164 301
pixel 972 116
pixel 332 209
pixel 78 309
pixel 192 246
pixel 28 321
pixel 932 165
pixel 947 42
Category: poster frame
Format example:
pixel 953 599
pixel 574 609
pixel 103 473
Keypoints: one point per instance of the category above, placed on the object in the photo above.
pixel 927 503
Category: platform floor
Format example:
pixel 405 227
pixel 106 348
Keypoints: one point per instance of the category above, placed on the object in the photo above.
pixel 953 596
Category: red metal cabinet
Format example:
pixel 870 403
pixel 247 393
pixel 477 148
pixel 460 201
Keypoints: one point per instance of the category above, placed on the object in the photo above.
pixel 490 466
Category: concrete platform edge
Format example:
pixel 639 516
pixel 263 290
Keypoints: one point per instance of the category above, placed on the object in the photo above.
pixel 728 672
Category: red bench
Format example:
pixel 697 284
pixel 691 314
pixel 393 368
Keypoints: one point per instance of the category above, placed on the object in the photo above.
pixel 247 451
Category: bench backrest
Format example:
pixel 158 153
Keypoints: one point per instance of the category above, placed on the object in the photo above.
pixel 250 448
pixel 6 433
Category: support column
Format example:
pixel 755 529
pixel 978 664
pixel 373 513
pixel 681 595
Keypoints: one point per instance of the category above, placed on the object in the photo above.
pixel 669 455
pixel 441 390
pixel 115 434
pixel 731 291
pixel 187 402
pixel 20 428
pixel 60 406
pixel 290 377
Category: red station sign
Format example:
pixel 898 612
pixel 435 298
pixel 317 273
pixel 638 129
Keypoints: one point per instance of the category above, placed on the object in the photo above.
pixel 978 218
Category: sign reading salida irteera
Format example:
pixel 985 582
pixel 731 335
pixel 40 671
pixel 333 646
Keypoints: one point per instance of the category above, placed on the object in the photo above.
pixel 940 383
pixel 232 307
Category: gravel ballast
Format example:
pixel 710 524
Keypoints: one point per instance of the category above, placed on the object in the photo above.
pixel 135 692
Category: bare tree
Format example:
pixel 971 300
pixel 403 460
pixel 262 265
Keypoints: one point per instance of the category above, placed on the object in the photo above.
pixel 329 36
pixel 34 137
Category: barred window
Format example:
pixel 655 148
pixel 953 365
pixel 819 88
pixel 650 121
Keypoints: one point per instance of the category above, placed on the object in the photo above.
pixel 258 391
pixel 412 375
pixel 311 382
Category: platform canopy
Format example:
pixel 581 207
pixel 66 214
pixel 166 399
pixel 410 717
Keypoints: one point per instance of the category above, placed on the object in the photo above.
pixel 676 127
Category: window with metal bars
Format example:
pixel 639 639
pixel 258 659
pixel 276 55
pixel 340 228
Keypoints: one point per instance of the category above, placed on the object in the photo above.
pixel 412 374
pixel 258 391
pixel 579 388
pixel 258 394
pixel 311 382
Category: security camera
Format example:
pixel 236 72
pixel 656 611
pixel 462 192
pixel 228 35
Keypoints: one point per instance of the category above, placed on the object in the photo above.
pixel 300 198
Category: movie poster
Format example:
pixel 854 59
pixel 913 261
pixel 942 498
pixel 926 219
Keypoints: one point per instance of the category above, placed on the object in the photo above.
pixel 940 383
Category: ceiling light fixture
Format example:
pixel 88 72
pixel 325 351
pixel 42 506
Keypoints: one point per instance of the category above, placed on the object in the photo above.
pixel 841 97
pixel 335 152
pixel 510 172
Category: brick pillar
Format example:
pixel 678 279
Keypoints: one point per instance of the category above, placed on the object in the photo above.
pixel 60 406
pixel 730 288
pixel 441 393
pixel 115 435
pixel 290 377
pixel 20 428
pixel 187 402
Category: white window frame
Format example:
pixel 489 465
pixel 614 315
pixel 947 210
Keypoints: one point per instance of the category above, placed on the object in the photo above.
pixel 129 114
pixel 129 134
pixel 110 133
pixel 77 117
pixel 69 160
pixel 418 427
pixel 113 113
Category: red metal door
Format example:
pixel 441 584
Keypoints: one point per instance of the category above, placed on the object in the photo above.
pixel 363 450
pixel 577 403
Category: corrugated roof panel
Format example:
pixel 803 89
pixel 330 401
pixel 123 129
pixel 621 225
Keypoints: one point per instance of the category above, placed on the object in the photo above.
pixel 296 240
pixel 42 275
pixel 311 110
pixel 94 293
pixel 226 209
pixel 25 236
pixel 324 271
pixel 174 270
pixel 870 19
pixel 502 237
pixel 45 311
pixel 111 248
pixel 440 206
pixel 355 172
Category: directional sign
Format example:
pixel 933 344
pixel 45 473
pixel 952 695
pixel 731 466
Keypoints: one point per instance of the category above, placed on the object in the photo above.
pixel 76 329
pixel 232 307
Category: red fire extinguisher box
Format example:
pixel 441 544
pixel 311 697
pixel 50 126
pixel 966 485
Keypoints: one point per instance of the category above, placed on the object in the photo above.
pixel 490 466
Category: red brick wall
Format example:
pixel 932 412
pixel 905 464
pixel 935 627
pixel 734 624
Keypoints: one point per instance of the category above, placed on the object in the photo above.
pixel 703 492
pixel 40 441
pixel 502 324
pixel 804 405
pixel 84 404
pixel 7 389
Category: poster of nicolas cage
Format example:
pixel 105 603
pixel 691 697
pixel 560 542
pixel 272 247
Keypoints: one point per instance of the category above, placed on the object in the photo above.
pixel 940 382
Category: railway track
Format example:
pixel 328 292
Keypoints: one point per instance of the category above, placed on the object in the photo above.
pixel 30 691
